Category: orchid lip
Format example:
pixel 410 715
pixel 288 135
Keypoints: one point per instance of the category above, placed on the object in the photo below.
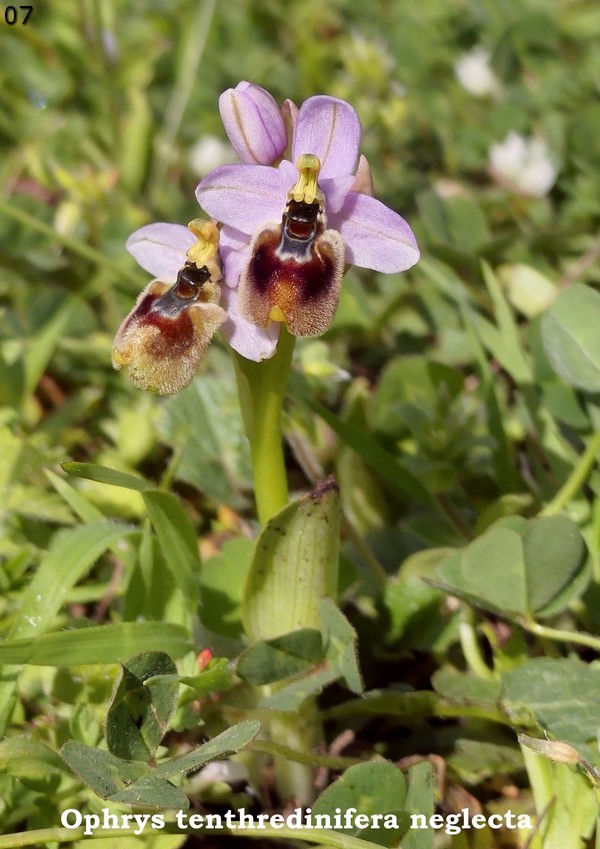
pixel 164 337
pixel 294 273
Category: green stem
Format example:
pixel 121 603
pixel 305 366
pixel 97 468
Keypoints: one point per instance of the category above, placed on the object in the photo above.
pixel 261 388
pixel 320 836
pixel 578 637
pixel 436 706
pixel 576 479
pixel 276 750
pixel 471 649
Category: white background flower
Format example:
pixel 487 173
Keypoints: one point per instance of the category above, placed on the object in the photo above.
pixel 474 73
pixel 525 164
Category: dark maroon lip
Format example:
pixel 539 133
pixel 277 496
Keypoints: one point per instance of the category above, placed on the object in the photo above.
pixel 176 329
pixel 308 278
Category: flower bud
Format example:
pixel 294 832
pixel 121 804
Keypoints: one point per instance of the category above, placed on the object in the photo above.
pixel 253 123
pixel 556 750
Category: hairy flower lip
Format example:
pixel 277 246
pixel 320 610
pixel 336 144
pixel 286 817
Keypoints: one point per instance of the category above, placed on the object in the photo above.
pixel 294 273
pixel 163 338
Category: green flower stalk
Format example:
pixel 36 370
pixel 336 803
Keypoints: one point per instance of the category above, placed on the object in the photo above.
pixel 261 388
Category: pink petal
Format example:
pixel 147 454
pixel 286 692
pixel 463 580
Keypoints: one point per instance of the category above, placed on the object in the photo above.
pixel 375 236
pixel 243 196
pixel 335 190
pixel 252 342
pixel 160 249
pixel 253 122
pixel 363 182
pixel 288 177
pixel 329 128
pixel 234 248
pixel 289 113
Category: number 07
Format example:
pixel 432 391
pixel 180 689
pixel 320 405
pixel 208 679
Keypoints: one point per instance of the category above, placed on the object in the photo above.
pixel 11 16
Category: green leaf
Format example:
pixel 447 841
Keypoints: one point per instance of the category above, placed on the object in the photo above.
pixel 371 788
pixel 177 540
pixel 215 678
pixel 71 555
pixel 40 347
pixel 139 714
pixel 413 606
pixel 102 474
pixel 476 760
pixel 527 290
pixel 465 686
pixel 458 221
pixel 295 565
pixel 490 571
pixel 555 552
pixel 222 746
pixel 506 474
pixel 151 792
pixel 100 770
pixel 221 589
pixel 398 479
pixel 204 424
pixel 341 643
pixel 281 657
pixel 502 339
pixel 79 504
pixel 120 781
pixel 419 800
pixel 411 382
pixel 518 570
pixel 570 336
pixel 291 696
pixel 101 644
pixel 562 694
pixel 24 757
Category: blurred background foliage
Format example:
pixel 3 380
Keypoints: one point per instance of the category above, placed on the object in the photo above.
pixel 108 118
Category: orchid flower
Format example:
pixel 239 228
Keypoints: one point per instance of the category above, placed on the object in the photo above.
pixel 290 230
pixel 167 332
